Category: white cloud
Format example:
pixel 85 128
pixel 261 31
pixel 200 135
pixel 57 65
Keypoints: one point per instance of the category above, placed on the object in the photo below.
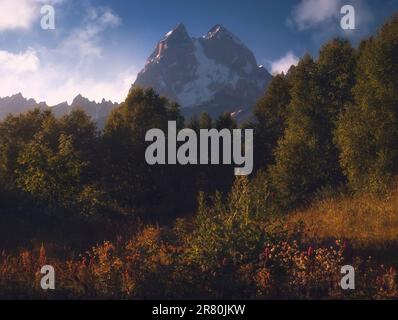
pixel 17 14
pixel 86 40
pixel 104 16
pixel 283 64
pixel 322 19
pixel 115 89
pixel 21 14
pixel 76 65
pixel 53 84
pixel 18 63
pixel 311 13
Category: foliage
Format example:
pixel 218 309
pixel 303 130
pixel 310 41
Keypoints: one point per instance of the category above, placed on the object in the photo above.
pixel 328 121
pixel 183 262
pixel 367 133
pixel 306 157
pixel 271 114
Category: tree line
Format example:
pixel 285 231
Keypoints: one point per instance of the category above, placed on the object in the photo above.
pixel 333 121
pixel 66 166
pixel 329 122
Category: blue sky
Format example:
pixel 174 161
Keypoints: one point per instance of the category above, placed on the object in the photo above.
pixel 98 46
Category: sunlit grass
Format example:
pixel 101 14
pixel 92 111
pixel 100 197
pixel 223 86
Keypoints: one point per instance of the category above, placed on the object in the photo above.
pixel 366 221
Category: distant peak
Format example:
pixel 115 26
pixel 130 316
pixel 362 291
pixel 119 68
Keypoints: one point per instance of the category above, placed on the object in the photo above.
pixel 217 30
pixel 177 36
pixel 17 95
pixel 62 104
pixel 79 98
pixel 180 27
pixel 178 31
pixel 220 32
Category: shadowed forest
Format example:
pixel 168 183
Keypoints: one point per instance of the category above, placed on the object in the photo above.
pixel 323 193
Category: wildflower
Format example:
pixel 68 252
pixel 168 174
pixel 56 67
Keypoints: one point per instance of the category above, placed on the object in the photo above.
pixel 272 194
pixel 119 239
pixel 42 255
pixel 310 251
pixel 266 253
pixel 91 263
pixel 346 250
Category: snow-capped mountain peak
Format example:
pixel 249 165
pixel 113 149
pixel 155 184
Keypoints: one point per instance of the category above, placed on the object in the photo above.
pixel 216 72
pixel 219 31
pixel 178 32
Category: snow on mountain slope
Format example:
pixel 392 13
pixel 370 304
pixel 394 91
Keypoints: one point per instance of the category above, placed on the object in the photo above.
pixel 208 72
pixel 215 73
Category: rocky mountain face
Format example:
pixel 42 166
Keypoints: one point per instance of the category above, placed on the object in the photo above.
pixel 215 73
pixel 97 111
pixel 17 104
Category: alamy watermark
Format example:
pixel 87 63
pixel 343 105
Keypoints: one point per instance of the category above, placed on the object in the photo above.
pixel 187 153
pixel 48 280
pixel 47 21
pixel 348 280
pixel 347 22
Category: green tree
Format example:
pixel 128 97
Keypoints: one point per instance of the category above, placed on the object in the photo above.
pixel 174 113
pixel 306 156
pixel 57 164
pixel 16 132
pixel 127 177
pixel 270 114
pixel 205 121
pixel 193 123
pixel 336 79
pixel 225 121
pixel 51 176
pixel 367 133
pixel 300 166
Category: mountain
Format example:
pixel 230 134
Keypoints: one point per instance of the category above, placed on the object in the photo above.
pixel 18 103
pixel 215 73
pixel 97 111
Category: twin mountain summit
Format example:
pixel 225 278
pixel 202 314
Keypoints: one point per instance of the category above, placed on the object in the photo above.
pixel 215 73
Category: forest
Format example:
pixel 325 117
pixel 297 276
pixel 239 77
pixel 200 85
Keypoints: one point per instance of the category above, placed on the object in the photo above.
pixel 323 193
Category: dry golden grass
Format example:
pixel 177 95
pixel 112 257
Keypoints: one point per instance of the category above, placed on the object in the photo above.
pixel 366 221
